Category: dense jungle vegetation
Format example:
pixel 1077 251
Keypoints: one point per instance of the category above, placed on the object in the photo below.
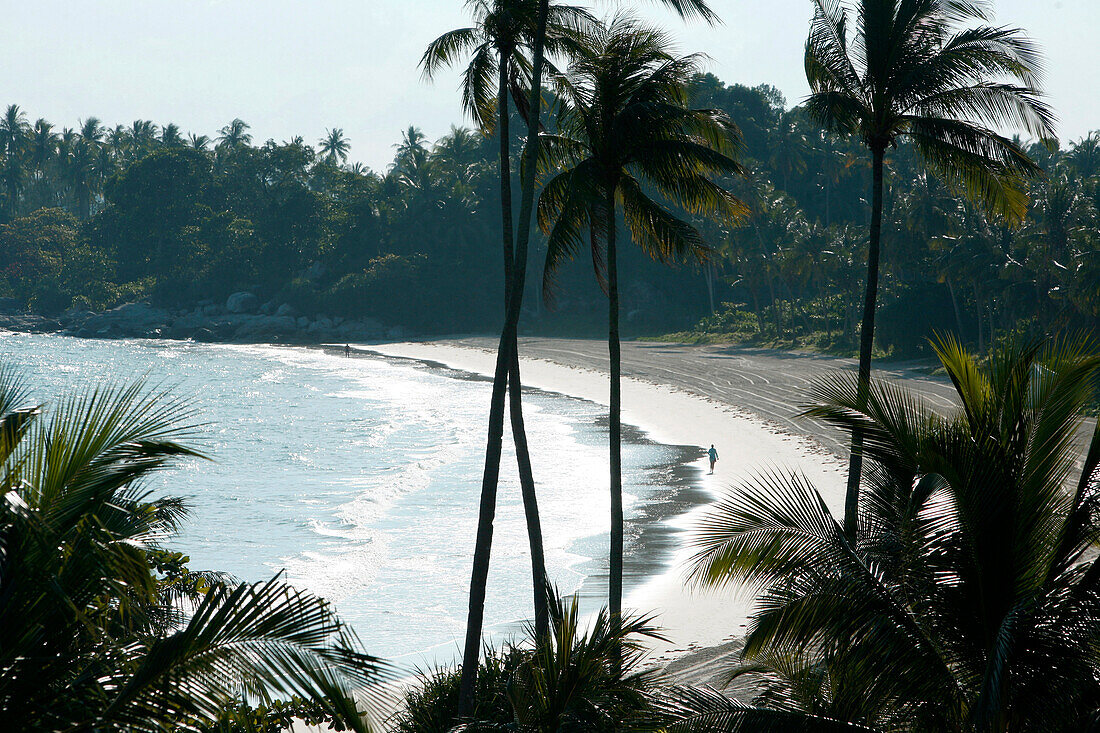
pixel 95 216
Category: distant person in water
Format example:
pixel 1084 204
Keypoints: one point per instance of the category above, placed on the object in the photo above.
pixel 347 350
pixel 713 456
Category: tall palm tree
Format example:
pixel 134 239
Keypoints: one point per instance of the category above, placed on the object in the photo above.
pixel 499 45
pixel 507 345
pixel 100 626
pixel 969 597
pixel 198 142
pixel 933 73
pixel 334 146
pixel 627 131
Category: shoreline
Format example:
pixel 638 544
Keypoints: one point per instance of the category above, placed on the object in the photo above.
pixel 669 486
pixel 691 619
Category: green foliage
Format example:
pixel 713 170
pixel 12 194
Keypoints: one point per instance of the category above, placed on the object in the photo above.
pixel 267 216
pixel 967 599
pixel 564 683
pixel 730 318
pixel 431 704
pixel 384 287
pixel 36 249
pixel 101 626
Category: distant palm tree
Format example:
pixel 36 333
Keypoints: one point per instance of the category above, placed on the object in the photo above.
pixel 459 152
pixel 932 73
pixel 198 142
pixel 118 139
pixel 143 138
pixel 234 135
pixel 42 156
pixel 334 146
pixel 1084 155
pixel 92 131
pixel 412 152
pixel 499 46
pixel 82 164
pixel 102 628
pixel 170 136
pixel 13 141
pixel 626 133
pixel 968 599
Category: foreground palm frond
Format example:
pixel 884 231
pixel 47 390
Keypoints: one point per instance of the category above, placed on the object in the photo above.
pixel 969 598
pixel 91 636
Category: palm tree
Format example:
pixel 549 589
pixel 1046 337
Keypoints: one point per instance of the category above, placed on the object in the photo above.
pixel 13 140
pixel 42 155
pixel 334 146
pixel 933 73
pixel 198 142
pixel 459 152
pixel 234 135
pixel 170 136
pixel 968 598
pixel 626 130
pixel 499 45
pixel 82 164
pixel 412 152
pixel 100 626
pixel 143 138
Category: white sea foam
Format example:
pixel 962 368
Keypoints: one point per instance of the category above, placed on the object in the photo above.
pixel 358 477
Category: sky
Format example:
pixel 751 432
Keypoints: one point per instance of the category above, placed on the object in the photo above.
pixel 299 67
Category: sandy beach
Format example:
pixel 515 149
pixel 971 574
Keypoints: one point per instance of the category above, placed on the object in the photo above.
pixel 742 403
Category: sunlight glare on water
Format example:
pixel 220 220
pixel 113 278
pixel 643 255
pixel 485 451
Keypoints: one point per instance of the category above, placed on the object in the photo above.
pixel 359 477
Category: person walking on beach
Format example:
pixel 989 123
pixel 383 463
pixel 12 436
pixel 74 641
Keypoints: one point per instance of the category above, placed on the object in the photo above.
pixel 347 351
pixel 713 456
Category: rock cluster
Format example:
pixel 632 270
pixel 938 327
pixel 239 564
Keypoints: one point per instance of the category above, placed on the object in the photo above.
pixel 242 319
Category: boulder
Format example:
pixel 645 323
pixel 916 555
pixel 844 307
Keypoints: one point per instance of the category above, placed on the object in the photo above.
pixel 132 319
pixel 242 302
pixel 286 310
pixel 261 328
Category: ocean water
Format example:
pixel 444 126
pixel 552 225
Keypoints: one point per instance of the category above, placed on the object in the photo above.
pixel 360 479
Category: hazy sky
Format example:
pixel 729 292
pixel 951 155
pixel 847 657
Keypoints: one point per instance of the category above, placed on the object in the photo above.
pixel 295 67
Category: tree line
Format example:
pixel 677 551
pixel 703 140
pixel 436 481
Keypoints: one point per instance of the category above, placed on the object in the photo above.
pixel 88 221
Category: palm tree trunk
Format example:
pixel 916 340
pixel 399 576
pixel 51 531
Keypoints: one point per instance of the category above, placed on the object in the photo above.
pixel 615 569
pixel 515 386
pixel 866 340
pixel 539 581
pixel 505 350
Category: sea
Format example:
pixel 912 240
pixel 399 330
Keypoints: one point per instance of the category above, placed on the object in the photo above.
pixel 359 479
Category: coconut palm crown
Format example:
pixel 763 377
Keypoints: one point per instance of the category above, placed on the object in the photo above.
pixel 934 73
pixel 502 34
pixel 627 140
